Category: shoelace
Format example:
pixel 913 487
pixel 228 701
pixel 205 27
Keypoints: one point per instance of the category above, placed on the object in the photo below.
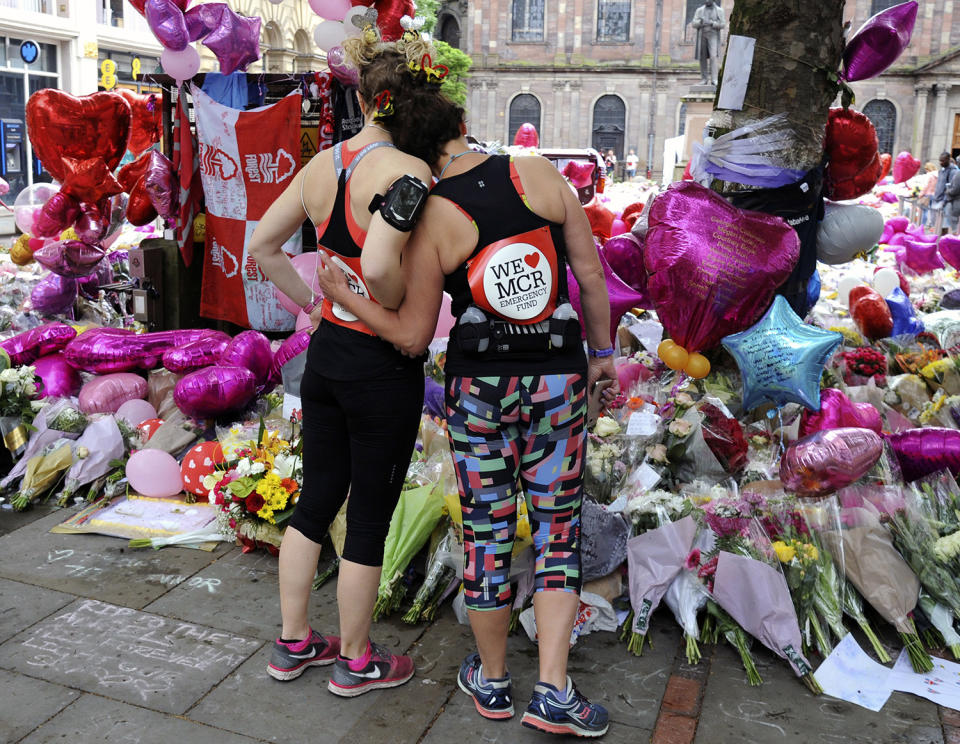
pixel 378 650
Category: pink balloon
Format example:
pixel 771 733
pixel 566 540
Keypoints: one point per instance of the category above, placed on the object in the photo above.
pixel 60 211
pixel 107 393
pixel 837 411
pixel 630 373
pixel 136 411
pixel 213 391
pixel 58 378
pixel 879 42
pixel 921 452
pixel 181 65
pixel 445 320
pixel 889 197
pixel 167 23
pixel 922 257
pixel 898 224
pixel 899 238
pixel 202 19
pixel 201 352
pixel 70 258
pixel 154 473
pixel 103 350
pixel 905 167
pixel 622 297
pixel 705 281
pixel 342 70
pixel 160 180
pixel 624 253
pixel 235 41
pixel 250 350
pixel 54 295
pixel 294 346
pixel 527 136
pixel 26 347
pixel 826 461
pixel 306 266
pixel 950 250
pixel 619 227
pixel 334 10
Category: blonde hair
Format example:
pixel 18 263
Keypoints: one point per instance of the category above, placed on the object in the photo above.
pixel 369 53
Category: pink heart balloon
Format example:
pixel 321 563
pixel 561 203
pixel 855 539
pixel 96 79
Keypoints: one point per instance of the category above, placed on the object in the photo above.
pixel 624 253
pixel 60 211
pixel 712 269
pixel 213 391
pixel 826 461
pixel 922 257
pixel 26 347
pixel 838 411
pixel 58 379
pixel 622 297
pixel 905 167
pixel 950 250
pixel 199 353
pixel 107 393
pixel 250 350
pixel 103 350
pixel 293 346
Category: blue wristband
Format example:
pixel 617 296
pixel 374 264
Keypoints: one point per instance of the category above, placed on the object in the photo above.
pixel 600 353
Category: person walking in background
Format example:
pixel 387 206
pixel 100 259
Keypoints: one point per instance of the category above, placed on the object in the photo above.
pixel 610 163
pixel 631 165
pixel 946 195
pixel 928 185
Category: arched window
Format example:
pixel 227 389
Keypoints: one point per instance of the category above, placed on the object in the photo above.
pixel 527 19
pixel 883 114
pixel 682 117
pixel 877 5
pixel 524 109
pixel 448 30
pixel 609 124
pixel 301 42
pixel 273 39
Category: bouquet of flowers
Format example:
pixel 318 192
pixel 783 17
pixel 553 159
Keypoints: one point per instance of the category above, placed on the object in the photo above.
pixel 257 491
pixel 687 595
pixel 606 467
pixel 18 406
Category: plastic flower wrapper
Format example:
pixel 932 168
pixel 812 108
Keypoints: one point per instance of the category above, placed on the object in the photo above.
pixel 605 468
pixel 65 416
pixel 603 540
pixel 41 438
pixel 644 507
pixel 756 596
pixel 96 451
pixel 940 495
pixel 907 395
pixel 941 618
pixel 438 574
pixel 723 434
pixel 654 559
pixel 878 571
pixel 942 374
pixel 43 472
pixel 687 594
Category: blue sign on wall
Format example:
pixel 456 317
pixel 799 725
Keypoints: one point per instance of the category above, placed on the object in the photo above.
pixel 29 51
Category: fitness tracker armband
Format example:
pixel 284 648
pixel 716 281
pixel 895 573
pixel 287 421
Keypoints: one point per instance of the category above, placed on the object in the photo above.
pixel 401 206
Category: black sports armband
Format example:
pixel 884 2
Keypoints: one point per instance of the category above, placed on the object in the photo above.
pixel 402 204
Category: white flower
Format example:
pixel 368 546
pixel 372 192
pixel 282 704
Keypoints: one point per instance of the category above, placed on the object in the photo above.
pixel 9 375
pixel 657 452
pixel 680 427
pixel 37 405
pixel 257 468
pixel 212 496
pixel 82 453
pixel 606 426
pixel 30 388
pixel 211 480
pixel 284 465
pixel 244 467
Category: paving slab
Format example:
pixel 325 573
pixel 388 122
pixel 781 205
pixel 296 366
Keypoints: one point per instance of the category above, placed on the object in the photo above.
pixel 21 605
pixel 96 566
pixel 149 660
pixel 97 719
pixel 783 710
pixel 25 703
pixel 11 520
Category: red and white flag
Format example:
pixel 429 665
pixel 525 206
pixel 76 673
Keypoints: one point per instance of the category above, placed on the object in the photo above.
pixel 187 167
pixel 247 159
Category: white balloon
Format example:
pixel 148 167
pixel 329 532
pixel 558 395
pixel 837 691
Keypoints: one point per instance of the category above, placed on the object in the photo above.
pixel 844 286
pixel 846 230
pixel 329 34
pixel 885 281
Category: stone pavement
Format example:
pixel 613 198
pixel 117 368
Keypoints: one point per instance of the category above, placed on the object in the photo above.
pixel 99 643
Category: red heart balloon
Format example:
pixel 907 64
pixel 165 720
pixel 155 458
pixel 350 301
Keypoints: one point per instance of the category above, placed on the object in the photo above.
pixel 870 312
pixel 853 166
pixel 61 125
pixel 145 122
pixel 886 159
pixel 140 209
pixel 131 173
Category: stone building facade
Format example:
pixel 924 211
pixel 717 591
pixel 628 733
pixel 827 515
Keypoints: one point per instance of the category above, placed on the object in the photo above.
pixel 614 73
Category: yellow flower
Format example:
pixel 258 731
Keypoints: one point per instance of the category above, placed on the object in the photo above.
pixel 810 551
pixel 937 369
pixel 850 337
pixel 785 553
pixel 606 426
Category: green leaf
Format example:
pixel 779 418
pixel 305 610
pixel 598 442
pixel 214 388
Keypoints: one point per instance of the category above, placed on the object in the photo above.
pixel 242 487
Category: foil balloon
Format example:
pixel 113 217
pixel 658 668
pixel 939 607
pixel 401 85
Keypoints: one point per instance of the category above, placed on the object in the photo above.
pixel 199 462
pixel 527 136
pixel 235 41
pixel 140 209
pixel 89 180
pixel 870 312
pixel 838 411
pixel 59 213
pixel 93 126
pixel 850 147
pixel 879 42
pixel 104 350
pixel 202 352
pixel 781 358
pixel 89 286
pixel 897 224
pixel 166 21
pixel 54 295
pixel 94 221
pixel 154 473
pixel 622 297
pixel 57 378
pixel 601 219
pixel 138 5
pixel 905 167
pixel 846 231
pixel 292 347
pixel 921 452
pixel 69 258
pixel 202 19
pixel 950 250
pixel 160 181
pixel 213 391
pixel 306 265
pixel 107 393
pixel 886 159
pixel 390 14
pixel 250 350
pixel 922 257
pixel 135 411
pixel 342 70
pixel 26 347
pixel 624 253
pixel 712 268
pixel 181 65
pixel 905 320
pixel 145 121
pixel 827 461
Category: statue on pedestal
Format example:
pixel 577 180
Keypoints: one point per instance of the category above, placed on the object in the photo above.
pixel 709 22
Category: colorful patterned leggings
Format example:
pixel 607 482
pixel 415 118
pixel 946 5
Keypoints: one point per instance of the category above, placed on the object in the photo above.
pixel 508 429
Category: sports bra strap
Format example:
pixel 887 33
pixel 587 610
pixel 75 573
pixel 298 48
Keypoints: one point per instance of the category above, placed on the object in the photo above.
pixel 338 157
pixel 303 204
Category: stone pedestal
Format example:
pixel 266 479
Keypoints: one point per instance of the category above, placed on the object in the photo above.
pixel 699 102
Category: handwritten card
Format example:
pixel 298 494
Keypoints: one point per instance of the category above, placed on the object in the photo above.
pixel 849 674
pixel 942 685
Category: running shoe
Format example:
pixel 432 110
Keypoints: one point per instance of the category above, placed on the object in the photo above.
pixel 493 697
pixel 289 660
pixel 383 670
pixel 577 716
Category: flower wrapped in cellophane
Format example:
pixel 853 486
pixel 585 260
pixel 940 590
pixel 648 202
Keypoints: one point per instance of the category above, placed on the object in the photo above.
pixel 44 471
pixel 688 594
pixel 606 461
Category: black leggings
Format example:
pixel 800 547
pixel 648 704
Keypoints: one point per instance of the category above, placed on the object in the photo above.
pixel 357 436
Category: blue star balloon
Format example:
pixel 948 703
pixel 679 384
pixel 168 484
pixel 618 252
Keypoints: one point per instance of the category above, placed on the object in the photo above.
pixel 781 358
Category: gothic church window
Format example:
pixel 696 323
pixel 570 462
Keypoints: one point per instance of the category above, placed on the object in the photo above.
pixel 524 109
pixel 883 114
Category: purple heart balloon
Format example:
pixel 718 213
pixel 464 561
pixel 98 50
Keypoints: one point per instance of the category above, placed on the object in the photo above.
pixel 250 350
pixel 25 347
pixel 879 42
pixel 950 250
pixel 922 257
pixel 167 23
pixel 293 346
pixel 622 297
pixel 54 295
pixel 202 352
pixel 58 379
pixel 213 391
pixel 827 461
